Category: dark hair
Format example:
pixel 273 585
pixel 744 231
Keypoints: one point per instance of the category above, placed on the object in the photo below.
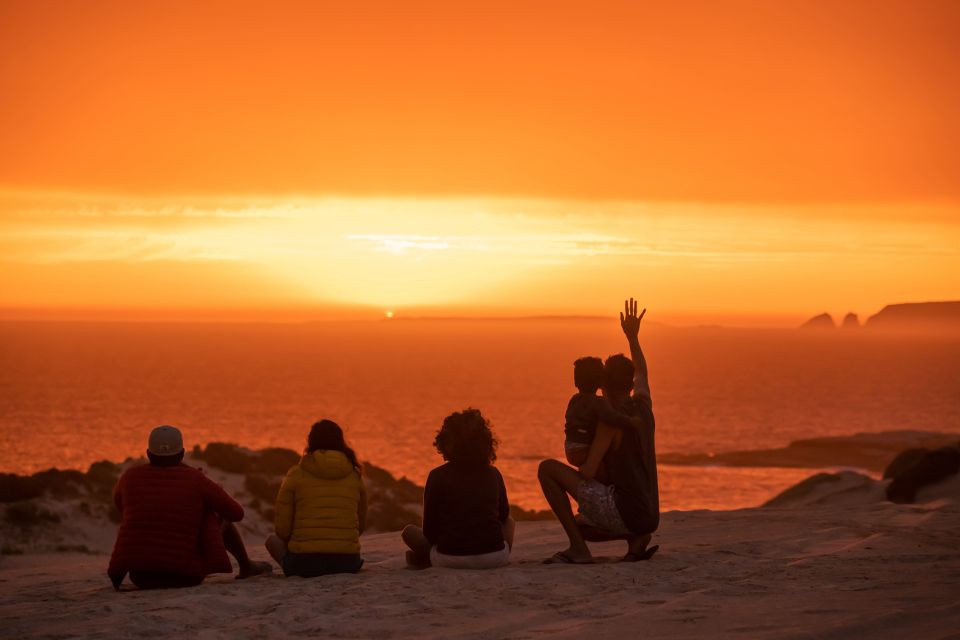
pixel 466 439
pixel 165 461
pixel 326 435
pixel 588 374
pixel 618 373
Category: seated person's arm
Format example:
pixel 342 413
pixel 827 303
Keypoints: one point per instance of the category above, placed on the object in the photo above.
pixel 220 501
pixel 362 508
pixel 504 506
pixel 117 495
pixel 431 510
pixel 283 514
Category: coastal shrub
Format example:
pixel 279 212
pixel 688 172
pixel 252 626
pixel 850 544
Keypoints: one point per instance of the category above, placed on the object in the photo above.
pixel 903 461
pixel 275 461
pixel 262 487
pixel 102 477
pixel 930 468
pixel 401 490
pixel 14 488
pixel 62 483
pixel 386 515
pixel 228 457
pixel 28 514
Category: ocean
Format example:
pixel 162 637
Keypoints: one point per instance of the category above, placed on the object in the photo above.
pixel 75 393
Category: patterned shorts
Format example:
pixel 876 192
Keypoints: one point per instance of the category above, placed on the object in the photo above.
pixel 598 507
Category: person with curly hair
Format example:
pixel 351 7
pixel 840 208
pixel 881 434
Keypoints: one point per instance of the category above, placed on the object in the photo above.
pixel 466 515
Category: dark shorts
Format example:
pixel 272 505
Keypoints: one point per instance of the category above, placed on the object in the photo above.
pixel 163 580
pixel 310 565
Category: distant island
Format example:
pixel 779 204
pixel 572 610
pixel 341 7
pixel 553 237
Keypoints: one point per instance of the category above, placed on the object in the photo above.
pixel 909 316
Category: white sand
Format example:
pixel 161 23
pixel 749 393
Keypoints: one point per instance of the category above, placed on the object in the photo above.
pixel 873 570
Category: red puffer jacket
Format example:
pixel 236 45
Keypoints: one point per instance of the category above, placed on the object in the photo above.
pixel 170 522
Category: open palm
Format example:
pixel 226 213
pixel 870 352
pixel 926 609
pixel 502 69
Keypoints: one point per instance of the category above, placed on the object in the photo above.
pixel 629 320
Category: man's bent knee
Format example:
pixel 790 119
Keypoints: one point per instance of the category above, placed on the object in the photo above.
pixel 546 467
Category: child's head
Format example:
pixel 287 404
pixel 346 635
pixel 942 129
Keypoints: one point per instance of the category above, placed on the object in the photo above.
pixel 588 374
pixel 466 439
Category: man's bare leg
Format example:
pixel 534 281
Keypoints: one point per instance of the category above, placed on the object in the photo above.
pixel 276 547
pixel 234 544
pixel 419 554
pixel 557 480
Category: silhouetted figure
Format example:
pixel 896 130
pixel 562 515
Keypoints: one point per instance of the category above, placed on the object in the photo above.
pixel 628 506
pixel 321 508
pixel 176 524
pixel 586 410
pixel 466 514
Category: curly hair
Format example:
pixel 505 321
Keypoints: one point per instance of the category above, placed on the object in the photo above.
pixel 466 439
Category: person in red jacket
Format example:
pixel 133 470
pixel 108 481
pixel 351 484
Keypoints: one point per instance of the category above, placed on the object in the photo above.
pixel 176 524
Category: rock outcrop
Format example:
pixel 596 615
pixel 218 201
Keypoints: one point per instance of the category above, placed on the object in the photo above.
pixel 822 321
pixel 919 316
pixel 870 451
pixel 850 321
pixel 915 469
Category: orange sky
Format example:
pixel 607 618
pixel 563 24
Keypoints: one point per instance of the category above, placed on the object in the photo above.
pixel 722 159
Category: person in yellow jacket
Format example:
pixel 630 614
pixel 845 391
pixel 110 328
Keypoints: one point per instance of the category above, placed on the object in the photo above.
pixel 321 508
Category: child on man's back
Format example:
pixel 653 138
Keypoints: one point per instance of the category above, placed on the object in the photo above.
pixel 586 409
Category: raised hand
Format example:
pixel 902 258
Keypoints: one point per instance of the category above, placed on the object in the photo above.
pixel 629 320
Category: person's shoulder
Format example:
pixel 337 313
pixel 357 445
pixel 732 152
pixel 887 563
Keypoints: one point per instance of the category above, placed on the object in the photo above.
pixel 440 471
pixel 639 405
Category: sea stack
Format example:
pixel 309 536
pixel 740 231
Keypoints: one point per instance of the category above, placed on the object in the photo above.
pixel 850 321
pixel 822 321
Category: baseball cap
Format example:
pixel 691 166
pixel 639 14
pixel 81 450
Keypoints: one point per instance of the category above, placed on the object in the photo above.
pixel 165 441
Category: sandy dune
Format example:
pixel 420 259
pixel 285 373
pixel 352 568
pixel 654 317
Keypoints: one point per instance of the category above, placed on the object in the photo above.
pixel 873 570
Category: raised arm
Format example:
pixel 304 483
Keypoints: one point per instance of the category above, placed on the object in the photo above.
pixel 630 323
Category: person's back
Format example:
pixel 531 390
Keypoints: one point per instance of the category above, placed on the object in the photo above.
pixel 633 470
pixel 321 508
pixel 465 507
pixel 466 514
pixel 317 506
pixel 175 523
pixel 163 515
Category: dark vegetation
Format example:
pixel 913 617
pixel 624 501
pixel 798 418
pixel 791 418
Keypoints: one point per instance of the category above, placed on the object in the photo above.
pixel 392 502
pixel 914 469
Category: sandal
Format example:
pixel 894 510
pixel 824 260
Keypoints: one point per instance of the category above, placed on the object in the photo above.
pixel 645 555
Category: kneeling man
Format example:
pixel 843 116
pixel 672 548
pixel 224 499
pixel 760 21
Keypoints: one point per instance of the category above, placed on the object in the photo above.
pixel 628 508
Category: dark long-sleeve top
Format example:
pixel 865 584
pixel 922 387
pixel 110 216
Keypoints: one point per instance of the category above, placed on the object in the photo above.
pixel 585 411
pixel 463 509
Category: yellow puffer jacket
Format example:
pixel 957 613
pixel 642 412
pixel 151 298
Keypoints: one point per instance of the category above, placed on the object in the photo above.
pixel 317 505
